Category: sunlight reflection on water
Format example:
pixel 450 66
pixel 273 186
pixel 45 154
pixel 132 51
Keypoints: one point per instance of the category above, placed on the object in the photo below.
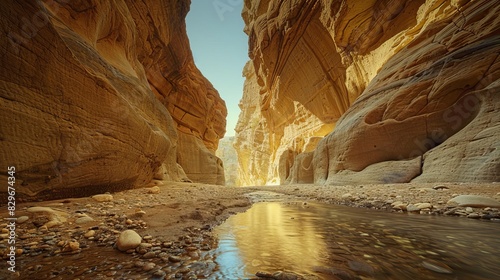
pixel 336 242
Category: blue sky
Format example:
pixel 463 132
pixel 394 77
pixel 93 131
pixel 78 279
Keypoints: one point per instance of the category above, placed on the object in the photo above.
pixel 220 49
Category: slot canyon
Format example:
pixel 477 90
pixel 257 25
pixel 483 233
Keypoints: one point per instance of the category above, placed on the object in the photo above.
pixel 116 161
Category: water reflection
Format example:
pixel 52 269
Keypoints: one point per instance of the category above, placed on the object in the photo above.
pixel 335 242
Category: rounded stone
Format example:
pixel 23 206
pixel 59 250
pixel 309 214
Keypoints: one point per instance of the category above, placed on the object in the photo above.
pixel 22 219
pixel 89 233
pixel 148 266
pixel 128 239
pixel 102 197
pixel 473 201
pixel 83 220
pixel 153 190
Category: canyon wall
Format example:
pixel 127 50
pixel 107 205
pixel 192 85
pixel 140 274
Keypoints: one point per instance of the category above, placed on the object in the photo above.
pixel 352 92
pixel 227 154
pixel 101 96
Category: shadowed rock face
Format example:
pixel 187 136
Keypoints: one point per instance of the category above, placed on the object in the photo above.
pixel 95 93
pixel 410 88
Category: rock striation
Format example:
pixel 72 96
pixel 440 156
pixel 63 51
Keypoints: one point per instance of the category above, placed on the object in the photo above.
pixel 99 96
pixel 227 154
pixel 378 92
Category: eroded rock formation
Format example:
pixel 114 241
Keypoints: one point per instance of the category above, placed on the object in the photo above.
pixel 407 90
pixel 227 154
pixel 94 95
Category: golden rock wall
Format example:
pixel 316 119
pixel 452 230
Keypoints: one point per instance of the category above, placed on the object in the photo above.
pixel 400 90
pixel 94 93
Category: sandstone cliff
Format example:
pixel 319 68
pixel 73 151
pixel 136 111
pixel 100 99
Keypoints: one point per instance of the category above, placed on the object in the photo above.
pixel 405 90
pixel 227 154
pixel 95 94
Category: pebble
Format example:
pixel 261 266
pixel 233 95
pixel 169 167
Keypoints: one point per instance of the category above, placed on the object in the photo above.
pixel 53 223
pixel 102 197
pixel 473 216
pixel 71 246
pixel 148 266
pixel 128 239
pixel 440 187
pixel 159 274
pixel 174 259
pixel 437 267
pixel 89 234
pixel 153 190
pixel 84 220
pixel 423 205
pixel 139 213
pixel 412 208
pixel 347 196
pixel 149 255
pixel 22 219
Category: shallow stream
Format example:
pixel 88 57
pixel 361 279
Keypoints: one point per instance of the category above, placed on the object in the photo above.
pixel 322 241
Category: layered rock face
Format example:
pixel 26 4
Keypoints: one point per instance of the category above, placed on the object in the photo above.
pixel 227 154
pixel 94 96
pixel 409 91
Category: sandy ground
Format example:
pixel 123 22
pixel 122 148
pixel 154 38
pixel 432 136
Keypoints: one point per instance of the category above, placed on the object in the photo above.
pixel 171 211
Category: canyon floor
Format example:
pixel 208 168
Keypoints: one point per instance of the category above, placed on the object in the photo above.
pixel 76 237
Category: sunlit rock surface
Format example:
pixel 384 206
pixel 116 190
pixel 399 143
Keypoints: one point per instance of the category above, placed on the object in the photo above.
pixel 406 91
pixel 229 157
pixel 95 93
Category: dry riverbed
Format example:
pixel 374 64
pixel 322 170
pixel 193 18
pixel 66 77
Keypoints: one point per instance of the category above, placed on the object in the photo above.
pixel 76 238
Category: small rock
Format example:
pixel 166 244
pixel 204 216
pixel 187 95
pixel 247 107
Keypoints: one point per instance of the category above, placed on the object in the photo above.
pixel 128 239
pixel 89 234
pixel 159 274
pixel 174 259
pixel 153 190
pixel 437 267
pixel 22 219
pixel 84 220
pixel 424 205
pixel 139 213
pixel 412 208
pixel 148 266
pixel 263 274
pixel 473 216
pixel 440 187
pixel 71 246
pixel 149 255
pixel 53 223
pixel 398 205
pixel 146 245
pixel 102 197
pixel 347 196
pixel 139 264
pixel 473 201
